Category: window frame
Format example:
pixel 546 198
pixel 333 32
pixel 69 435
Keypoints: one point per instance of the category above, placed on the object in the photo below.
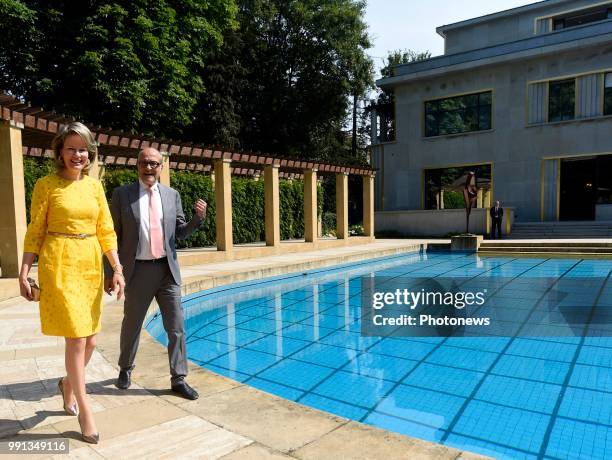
pixel 466 166
pixel 562 117
pixel 607 93
pixel 560 21
pixel 477 111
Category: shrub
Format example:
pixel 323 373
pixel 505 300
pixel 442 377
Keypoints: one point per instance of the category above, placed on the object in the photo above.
pixel 328 224
pixel 33 169
pixel 248 205
pixel 247 201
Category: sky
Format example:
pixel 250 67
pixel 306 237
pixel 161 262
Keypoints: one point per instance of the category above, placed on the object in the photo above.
pixel 411 24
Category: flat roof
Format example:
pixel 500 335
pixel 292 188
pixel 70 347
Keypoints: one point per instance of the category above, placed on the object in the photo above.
pixel 593 34
pixel 500 14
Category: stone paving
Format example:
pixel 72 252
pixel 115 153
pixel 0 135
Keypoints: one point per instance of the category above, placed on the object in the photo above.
pixel 229 420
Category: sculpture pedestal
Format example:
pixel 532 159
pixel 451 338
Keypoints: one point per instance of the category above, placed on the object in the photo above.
pixel 466 243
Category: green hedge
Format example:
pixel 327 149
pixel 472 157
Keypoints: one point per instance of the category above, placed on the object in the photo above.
pixel 247 201
pixel 34 169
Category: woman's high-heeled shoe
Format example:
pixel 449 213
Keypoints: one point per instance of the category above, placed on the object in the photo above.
pixel 70 410
pixel 89 438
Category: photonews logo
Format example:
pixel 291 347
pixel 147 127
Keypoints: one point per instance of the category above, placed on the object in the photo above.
pixel 483 306
pixel 422 307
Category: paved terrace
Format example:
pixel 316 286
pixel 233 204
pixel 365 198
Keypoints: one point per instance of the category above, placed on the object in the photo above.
pixel 230 420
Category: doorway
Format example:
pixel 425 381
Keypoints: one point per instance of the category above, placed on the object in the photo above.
pixel 578 188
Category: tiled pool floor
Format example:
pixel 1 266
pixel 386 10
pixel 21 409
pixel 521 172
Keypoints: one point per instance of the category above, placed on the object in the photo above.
pixel 518 397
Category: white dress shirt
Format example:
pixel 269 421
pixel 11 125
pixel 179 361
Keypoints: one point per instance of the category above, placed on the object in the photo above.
pixel 144 242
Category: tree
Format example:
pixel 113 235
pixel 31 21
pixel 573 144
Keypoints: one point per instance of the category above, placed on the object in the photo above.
pixel 399 57
pixel 288 73
pixel 277 76
pixel 132 65
pixel 385 100
pixel 17 48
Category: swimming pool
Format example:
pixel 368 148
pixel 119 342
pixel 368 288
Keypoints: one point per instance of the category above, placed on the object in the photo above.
pixel 299 337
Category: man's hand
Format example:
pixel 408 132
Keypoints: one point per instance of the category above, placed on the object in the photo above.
pixel 200 208
pixel 108 286
pixel 118 284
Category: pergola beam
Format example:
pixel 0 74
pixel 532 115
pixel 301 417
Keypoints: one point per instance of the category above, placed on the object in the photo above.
pixel 42 124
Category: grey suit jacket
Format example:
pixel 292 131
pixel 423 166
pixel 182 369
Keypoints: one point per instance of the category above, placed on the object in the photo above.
pixel 125 210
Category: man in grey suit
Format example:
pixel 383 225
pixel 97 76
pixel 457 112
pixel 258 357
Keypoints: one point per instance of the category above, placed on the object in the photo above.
pixel 148 218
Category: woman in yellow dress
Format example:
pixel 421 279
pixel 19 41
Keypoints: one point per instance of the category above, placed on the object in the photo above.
pixel 70 227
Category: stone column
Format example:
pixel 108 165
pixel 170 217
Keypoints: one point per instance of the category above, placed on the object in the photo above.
pixel 223 204
pixel 164 177
pixel 479 198
pixel 487 198
pixel 97 169
pixel 550 189
pixel 310 205
pixel 368 206
pixel 272 209
pixel 342 205
pixel 12 206
pixel 94 168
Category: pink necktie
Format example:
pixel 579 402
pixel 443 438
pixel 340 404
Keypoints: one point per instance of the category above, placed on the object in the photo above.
pixel 155 230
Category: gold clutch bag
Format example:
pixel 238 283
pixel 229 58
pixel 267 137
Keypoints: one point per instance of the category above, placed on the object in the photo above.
pixel 35 290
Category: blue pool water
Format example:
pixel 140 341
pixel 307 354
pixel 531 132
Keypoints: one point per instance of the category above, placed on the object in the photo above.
pixel 298 337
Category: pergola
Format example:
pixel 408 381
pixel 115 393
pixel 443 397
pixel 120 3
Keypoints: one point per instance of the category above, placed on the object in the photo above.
pixel 27 130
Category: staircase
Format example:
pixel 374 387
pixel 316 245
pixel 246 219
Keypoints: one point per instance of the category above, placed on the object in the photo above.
pixel 570 229
pixel 601 247
pixel 565 238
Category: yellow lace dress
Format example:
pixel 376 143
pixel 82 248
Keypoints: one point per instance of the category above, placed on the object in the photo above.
pixel 70 272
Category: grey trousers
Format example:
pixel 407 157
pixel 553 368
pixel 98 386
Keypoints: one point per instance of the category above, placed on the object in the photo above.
pixel 153 280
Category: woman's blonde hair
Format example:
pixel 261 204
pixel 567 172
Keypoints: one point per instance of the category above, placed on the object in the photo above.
pixel 67 130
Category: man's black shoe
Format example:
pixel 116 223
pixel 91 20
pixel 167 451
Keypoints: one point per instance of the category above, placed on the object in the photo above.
pixel 124 380
pixel 184 390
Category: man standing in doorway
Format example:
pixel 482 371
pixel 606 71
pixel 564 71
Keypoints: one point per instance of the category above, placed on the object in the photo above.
pixel 497 214
pixel 148 218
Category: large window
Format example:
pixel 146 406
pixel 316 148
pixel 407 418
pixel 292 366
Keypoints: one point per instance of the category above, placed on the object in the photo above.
pixel 608 94
pixel 561 100
pixel 582 17
pixel 458 114
pixel 444 186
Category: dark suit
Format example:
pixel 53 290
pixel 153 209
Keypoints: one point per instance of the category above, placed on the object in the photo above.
pixel 145 280
pixel 497 215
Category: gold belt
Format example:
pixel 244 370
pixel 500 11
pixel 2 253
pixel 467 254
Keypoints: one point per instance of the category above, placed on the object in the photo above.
pixel 78 236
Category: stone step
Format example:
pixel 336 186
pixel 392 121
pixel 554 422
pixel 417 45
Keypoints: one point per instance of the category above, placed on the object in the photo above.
pixel 540 249
pixel 559 235
pixel 566 223
pixel 533 236
pixel 570 229
pixel 551 244
pixel 548 230
pixel 562 230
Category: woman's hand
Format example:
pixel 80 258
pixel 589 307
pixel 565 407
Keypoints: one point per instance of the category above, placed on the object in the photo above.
pixel 118 284
pixel 25 289
pixel 24 285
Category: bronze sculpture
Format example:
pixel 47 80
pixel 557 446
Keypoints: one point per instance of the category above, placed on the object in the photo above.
pixel 470 194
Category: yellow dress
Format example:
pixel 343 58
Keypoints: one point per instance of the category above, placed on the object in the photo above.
pixel 70 272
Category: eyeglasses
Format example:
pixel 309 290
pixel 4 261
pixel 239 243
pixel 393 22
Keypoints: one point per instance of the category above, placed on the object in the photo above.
pixel 149 164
